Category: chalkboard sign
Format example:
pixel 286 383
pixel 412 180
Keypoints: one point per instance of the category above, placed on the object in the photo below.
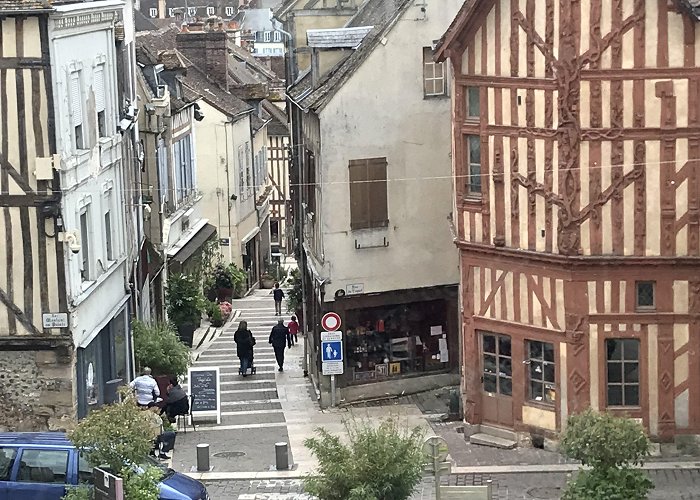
pixel 204 386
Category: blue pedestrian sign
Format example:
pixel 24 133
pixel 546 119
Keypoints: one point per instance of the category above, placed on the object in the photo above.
pixel 332 351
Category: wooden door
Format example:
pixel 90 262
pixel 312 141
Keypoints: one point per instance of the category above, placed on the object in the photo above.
pixel 496 379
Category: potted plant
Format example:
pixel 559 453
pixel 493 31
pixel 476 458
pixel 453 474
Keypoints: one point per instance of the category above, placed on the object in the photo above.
pixel 185 304
pixel 223 282
pixel 239 278
pixel 294 295
pixel 158 347
pixel 216 318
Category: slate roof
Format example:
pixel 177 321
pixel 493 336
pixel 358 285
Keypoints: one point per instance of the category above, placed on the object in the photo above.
pixel 692 7
pixel 349 38
pixel 381 14
pixel 196 81
pixel 143 23
pixel 279 124
pixel 7 6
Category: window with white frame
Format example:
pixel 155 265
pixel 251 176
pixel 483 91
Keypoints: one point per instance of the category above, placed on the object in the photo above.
pixel 433 75
pixel 266 36
pixel 229 11
pixel 184 167
pixel 277 36
pixel 210 11
pixel 163 173
pixel 170 12
pixel 76 109
pixel 248 171
pixel 110 252
pixel 153 12
pixel 241 172
pixel 85 270
pixel 191 11
pixel 98 87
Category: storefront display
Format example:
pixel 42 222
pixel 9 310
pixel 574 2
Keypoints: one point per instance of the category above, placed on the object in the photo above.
pixel 386 342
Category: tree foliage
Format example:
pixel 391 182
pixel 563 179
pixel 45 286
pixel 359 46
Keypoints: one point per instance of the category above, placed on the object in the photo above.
pixel 184 298
pixel 294 295
pixel 378 463
pixel 158 347
pixel 612 447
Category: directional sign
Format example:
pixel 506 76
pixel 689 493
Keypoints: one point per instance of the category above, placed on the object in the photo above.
pixel 330 321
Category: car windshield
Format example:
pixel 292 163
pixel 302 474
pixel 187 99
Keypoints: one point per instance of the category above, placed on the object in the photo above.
pixel 149 461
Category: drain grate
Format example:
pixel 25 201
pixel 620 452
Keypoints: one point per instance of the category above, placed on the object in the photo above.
pixel 544 492
pixel 229 454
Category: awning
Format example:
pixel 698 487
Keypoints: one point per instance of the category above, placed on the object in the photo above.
pixel 250 235
pixel 194 244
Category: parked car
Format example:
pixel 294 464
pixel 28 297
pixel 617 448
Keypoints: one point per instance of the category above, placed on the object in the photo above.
pixel 39 466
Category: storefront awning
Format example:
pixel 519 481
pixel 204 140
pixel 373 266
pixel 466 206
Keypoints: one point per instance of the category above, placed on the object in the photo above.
pixel 194 244
pixel 250 235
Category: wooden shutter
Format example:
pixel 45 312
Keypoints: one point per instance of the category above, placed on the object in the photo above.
pixel 359 194
pixel 76 99
pixel 368 196
pixel 99 88
pixel 376 175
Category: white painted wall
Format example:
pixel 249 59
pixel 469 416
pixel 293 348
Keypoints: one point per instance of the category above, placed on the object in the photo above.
pixel 91 178
pixel 217 157
pixel 381 112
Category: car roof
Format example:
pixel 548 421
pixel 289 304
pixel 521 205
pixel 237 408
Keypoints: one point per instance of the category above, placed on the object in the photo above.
pixel 59 439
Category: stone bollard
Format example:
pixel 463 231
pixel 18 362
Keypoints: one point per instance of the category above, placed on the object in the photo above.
pixel 203 458
pixel 281 456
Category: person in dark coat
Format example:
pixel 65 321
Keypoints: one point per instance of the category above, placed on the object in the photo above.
pixel 176 402
pixel 278 295
pixel 278 339
pixel 244 346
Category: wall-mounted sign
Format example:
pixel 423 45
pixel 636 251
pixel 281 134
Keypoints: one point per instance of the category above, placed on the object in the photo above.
pixel 224 242
pixel 54 320
pixel 354 288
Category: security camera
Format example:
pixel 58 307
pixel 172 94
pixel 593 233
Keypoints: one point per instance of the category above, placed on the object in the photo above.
pixel 73 242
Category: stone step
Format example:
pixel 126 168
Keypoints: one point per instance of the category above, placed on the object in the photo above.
pixel 492 441
pixel 500 432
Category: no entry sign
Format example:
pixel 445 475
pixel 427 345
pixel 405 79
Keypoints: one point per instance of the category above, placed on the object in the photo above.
pixel 330 322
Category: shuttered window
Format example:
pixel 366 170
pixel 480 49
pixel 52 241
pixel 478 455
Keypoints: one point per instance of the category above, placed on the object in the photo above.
pixel 368 193
pixel 98 88
pixel 76 109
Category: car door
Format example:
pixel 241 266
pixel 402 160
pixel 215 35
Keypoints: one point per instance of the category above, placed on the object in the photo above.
pixel 41 474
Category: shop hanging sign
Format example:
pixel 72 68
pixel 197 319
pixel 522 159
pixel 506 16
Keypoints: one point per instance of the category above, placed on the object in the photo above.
pixel 330 322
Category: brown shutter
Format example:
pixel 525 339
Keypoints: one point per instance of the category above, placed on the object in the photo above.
pixel 359 194
pixel 376 174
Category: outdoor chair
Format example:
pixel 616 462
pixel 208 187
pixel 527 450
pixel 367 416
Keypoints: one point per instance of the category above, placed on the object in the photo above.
pixel 183 419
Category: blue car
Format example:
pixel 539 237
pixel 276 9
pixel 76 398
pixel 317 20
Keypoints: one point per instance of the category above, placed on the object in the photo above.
pixel 39 466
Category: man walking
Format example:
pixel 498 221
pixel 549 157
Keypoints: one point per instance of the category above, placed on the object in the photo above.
pixel 278 339
pixel 278 295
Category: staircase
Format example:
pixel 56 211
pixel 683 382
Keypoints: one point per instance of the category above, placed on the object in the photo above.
pixel 495 437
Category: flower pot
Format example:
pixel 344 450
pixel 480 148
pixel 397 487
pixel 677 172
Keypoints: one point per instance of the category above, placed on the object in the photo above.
pixel 224 294
pixel 267 282
pixel 186 333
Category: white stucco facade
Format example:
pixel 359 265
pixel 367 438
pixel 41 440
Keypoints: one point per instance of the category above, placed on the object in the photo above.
pixel 381 111
pixel 94 202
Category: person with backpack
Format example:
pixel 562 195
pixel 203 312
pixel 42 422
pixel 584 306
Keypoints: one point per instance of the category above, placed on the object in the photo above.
pixel 244 347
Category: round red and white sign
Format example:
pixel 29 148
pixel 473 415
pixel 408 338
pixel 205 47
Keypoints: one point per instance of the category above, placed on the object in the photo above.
pixel 330 322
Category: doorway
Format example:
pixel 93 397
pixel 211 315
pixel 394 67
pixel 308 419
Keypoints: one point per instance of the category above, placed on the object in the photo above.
pixel 496 379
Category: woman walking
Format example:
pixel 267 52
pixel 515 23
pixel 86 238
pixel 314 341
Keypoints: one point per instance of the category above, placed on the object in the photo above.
pixel 244 347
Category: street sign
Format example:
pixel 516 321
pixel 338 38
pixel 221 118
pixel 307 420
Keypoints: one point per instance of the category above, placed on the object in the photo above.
pixel 54 320
pixel 435 449
pixel 332 353
pixel 330 321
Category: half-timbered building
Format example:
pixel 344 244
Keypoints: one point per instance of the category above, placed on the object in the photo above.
pixel 577 201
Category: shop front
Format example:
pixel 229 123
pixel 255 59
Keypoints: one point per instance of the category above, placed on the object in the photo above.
pixel 399 342
pixel 103 363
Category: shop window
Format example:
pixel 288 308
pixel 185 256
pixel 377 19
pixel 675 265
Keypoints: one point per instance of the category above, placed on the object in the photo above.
pixel 433 75
pixel 646 300
pixel 541 363
pixel 497 369
pixel 368 193
pixel 387 342
pixel 473 151
pixel 473 102
pixel 43 466
pixel 622 372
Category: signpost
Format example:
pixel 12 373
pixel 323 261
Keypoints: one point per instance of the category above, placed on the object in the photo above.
pixel 330 322
pixel 435 451
pixel 204 384
pixel 332 357
pixel 107 486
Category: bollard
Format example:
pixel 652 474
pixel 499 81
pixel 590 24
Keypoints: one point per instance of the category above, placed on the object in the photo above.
pixel 203 457
pixel 281 456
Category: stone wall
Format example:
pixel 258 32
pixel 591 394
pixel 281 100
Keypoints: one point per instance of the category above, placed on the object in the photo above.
pixel 36 390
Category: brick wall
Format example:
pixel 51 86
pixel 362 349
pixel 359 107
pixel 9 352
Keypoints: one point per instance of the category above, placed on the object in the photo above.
pixel 36 390
pixel 207 50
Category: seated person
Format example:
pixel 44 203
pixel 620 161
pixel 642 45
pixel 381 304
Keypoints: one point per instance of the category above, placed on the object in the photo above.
pixel 165 440
pixel 176 402
pixel 145 388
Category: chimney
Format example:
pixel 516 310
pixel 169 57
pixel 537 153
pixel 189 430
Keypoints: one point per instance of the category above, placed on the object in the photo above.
pixel 161 9
pixel 208 51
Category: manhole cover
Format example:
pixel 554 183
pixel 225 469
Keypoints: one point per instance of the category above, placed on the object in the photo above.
pixel 544 493
pixel 229 454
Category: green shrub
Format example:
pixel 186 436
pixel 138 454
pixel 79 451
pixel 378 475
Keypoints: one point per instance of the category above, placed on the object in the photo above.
pixel 379 463
pixel 82 492
pixel 142 486
pixel 184 298
pixel 158 347
pixel 294 295
pixel 612 447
